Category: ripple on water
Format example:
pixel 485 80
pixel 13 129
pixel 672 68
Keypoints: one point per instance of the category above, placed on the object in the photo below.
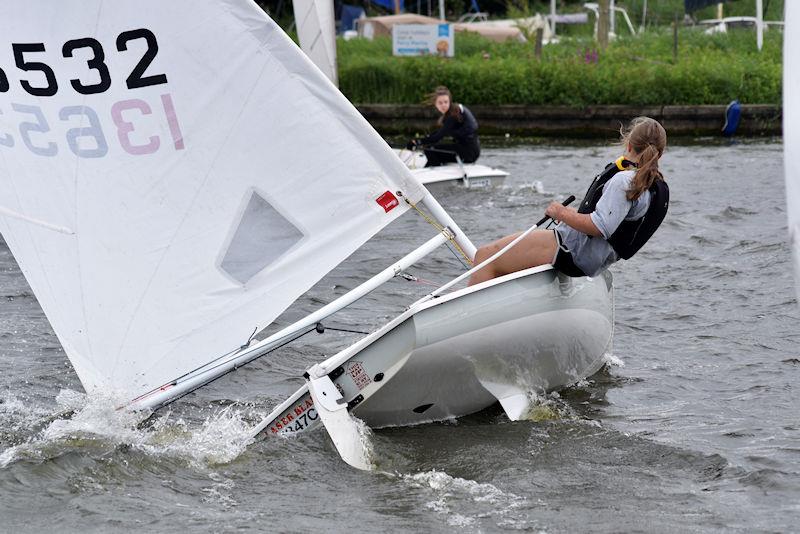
pixel 731 213
pixel 770 480
pixel 685 437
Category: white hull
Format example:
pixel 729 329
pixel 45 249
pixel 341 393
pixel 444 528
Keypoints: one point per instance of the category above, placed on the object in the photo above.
pixel 469 175
pixel 532 331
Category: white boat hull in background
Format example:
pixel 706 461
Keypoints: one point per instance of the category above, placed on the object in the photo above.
pixel 525 333
pixel 469 175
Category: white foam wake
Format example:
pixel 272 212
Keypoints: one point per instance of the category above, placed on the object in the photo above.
pixel 96 424
pixel 463 501
pixel 610 359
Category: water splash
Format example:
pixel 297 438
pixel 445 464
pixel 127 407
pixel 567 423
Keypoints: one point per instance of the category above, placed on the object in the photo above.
pixel 611 360
pixel 223 436
pixel 463 501
pixel 96 426
pixel 365 438
pixel 220 492
pixel 17 416
pixel 547 407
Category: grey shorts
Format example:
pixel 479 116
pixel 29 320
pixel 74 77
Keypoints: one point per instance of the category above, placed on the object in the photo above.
pixel 563 261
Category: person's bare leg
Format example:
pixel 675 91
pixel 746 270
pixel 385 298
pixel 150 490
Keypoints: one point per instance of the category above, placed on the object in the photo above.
pixel 537 248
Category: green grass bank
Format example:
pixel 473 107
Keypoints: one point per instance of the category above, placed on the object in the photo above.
pixel 640 70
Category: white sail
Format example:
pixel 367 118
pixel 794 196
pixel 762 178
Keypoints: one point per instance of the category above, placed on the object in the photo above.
pixel 791 128
pixel 316 30
pixel 173 175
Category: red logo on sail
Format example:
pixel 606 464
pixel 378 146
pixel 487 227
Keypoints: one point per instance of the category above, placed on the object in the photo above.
pixel 387 201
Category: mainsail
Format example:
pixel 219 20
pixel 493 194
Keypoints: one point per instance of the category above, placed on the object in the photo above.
pixel 316 30
pixel 791 129
pixel 174 175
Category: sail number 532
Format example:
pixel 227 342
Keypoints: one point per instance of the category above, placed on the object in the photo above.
pixel 25 57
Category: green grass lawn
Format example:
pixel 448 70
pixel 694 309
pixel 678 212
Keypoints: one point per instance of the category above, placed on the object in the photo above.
pixel 637 70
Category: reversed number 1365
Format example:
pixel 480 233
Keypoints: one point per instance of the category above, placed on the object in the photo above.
pixel 88 140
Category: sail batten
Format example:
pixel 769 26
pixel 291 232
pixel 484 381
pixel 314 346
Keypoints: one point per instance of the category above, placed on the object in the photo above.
pixel 194 173
pixel 44 224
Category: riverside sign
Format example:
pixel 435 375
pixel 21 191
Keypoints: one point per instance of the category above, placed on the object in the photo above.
pixel 422 40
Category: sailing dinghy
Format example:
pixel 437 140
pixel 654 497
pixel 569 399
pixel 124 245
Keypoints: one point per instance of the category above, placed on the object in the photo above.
pixel 169 185
pixel 469 175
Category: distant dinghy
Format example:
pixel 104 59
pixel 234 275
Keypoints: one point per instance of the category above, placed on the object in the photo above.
pixel 468 175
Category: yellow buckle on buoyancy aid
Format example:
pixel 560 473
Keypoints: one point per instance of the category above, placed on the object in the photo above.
pixel 624 164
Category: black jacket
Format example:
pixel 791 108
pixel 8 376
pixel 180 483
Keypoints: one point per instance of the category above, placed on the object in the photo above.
pixel 463 131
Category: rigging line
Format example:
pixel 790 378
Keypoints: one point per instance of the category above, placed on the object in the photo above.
pixel 431 149
pixel 439 227
pixel 249 339
pixel 458 257
pixel 320 328
pixel 412 278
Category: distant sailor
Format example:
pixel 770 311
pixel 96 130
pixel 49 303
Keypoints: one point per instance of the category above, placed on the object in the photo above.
pixel 622 209
pixel 457 122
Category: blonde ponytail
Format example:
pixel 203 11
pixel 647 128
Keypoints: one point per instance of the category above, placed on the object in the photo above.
pixel 647 139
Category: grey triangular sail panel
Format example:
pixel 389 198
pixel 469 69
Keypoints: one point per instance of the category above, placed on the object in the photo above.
pixel 261 237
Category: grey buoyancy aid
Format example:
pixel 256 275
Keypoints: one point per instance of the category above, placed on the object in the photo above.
pixel 630 236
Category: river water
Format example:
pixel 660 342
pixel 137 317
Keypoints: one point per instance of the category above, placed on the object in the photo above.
pixel 694 428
